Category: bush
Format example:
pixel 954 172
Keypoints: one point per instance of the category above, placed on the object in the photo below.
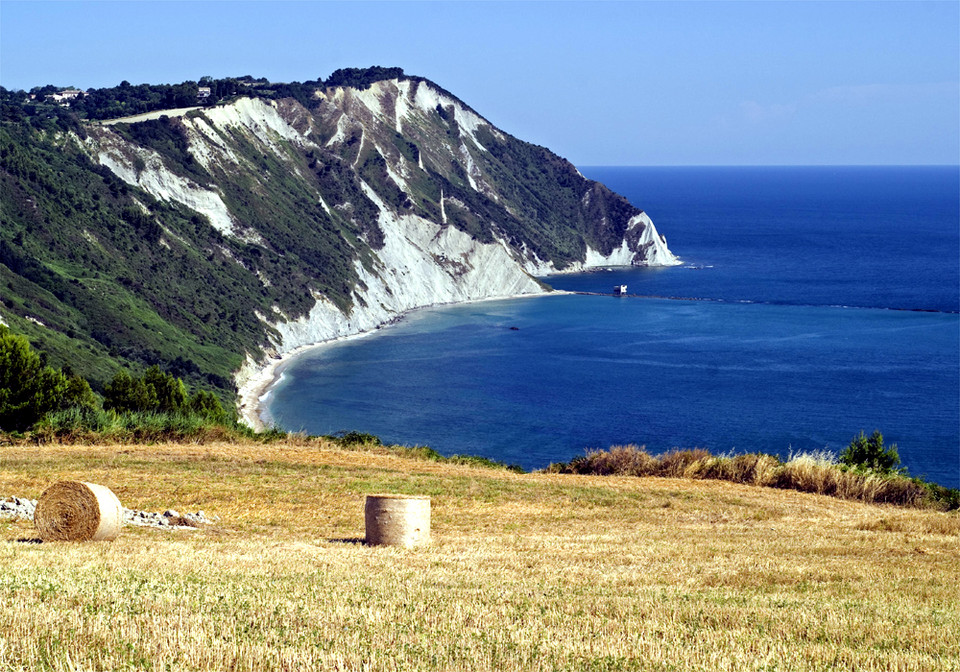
pixel 207 405
pixel 354 438
pixel 169 390
pixel 29 390
pixel 870 454
pixel 817 473
pixel 33 395
pixel 619 460
pixel 362 78
pixel 159 392
pixel 682 463
pixel 126 394
pixel 750 468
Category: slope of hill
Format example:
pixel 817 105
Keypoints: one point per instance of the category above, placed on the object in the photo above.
pixel 207 239
pixel 525 572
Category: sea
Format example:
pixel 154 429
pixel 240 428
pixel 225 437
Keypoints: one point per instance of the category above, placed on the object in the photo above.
pixel 812 303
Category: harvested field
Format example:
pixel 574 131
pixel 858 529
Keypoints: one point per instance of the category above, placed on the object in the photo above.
pixel 525 571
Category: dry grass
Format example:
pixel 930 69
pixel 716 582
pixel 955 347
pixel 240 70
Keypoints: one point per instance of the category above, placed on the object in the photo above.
pixel 527 572
pixel 807 472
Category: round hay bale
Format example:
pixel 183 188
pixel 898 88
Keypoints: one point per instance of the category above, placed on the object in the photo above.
pixel 76 511
pixel 397 520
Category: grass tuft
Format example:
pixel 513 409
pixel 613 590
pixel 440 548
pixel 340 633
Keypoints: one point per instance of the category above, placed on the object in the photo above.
pixel 817 473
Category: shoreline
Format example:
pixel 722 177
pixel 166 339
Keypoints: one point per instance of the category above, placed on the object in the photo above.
pixel 252 394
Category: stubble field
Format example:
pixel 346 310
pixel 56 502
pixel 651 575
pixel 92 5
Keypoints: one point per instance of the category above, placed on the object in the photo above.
pixel 526 571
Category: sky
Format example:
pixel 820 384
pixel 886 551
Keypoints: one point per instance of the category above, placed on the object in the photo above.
pixel 600 83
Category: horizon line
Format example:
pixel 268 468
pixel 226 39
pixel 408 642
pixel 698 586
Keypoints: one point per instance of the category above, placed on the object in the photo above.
pixel 767 165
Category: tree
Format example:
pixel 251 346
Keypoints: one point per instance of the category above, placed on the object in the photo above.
pixel 28 389
pixel 207 405
pixel 156 391
pixel 128 394
pixel 78 393
pixel 871 454
pixel 168 390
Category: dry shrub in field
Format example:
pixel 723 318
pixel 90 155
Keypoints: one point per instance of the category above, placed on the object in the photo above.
pixel 617 461
pixel 818 473
pixel 809 472
pixel 694 463
pixel 887 489
pixel 751 469
pixel 754 468
pixel 677 463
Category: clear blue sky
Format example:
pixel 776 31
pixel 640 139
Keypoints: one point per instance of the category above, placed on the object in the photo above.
pixel 601 83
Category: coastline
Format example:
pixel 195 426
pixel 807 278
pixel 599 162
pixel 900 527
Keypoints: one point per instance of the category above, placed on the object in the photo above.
pixel 255 390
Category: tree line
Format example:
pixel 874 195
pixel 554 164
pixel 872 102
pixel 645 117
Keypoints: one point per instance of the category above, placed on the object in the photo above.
pixel 128 99
pixel 33 393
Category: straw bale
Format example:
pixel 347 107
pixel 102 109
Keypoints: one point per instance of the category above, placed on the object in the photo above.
pixel 78 511
pixel 397 520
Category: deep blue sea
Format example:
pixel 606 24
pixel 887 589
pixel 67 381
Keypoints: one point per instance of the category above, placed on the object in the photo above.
pixel 813 303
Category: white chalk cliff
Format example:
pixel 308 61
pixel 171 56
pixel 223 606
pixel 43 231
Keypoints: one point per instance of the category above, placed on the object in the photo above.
pixel 444 217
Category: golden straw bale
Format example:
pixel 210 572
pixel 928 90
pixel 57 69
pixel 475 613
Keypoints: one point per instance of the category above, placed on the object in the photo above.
pixel 77 511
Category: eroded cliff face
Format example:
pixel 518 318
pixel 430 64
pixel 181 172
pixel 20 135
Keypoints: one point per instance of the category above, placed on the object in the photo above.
pixel 389 198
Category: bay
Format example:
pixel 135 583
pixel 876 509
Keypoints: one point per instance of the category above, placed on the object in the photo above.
pixel 812 304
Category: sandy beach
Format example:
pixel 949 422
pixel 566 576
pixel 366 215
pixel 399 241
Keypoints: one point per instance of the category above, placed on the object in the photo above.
pixel 255 390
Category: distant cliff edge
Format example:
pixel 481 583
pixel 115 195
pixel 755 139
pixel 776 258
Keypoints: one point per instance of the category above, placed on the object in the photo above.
pixel 209 237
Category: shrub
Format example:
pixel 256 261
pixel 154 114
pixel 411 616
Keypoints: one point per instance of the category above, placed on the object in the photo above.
pixel 169 390
pixel 207 405
pixel 127 394
pixel 871 454
pixel 354 438
pixel 29 390
pixel 676 463
pixel 751 468
pixel 817 473
pixel 809 472
pixel 57 405
pixel 617 461
pixel 155 391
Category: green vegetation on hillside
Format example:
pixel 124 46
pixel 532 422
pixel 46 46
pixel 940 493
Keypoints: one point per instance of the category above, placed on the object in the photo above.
pixel 30 390
pixel 86 278
pixel 872 455
pixel 126 99
pixel 38 397
pixel 362 78
pixel 100 275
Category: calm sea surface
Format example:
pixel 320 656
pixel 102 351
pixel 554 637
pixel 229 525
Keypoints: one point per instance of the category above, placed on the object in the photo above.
pixel 813 303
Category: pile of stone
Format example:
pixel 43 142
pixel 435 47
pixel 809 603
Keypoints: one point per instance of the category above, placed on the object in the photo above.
pixel 17 507
pixel 168 519
pixel 20 507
